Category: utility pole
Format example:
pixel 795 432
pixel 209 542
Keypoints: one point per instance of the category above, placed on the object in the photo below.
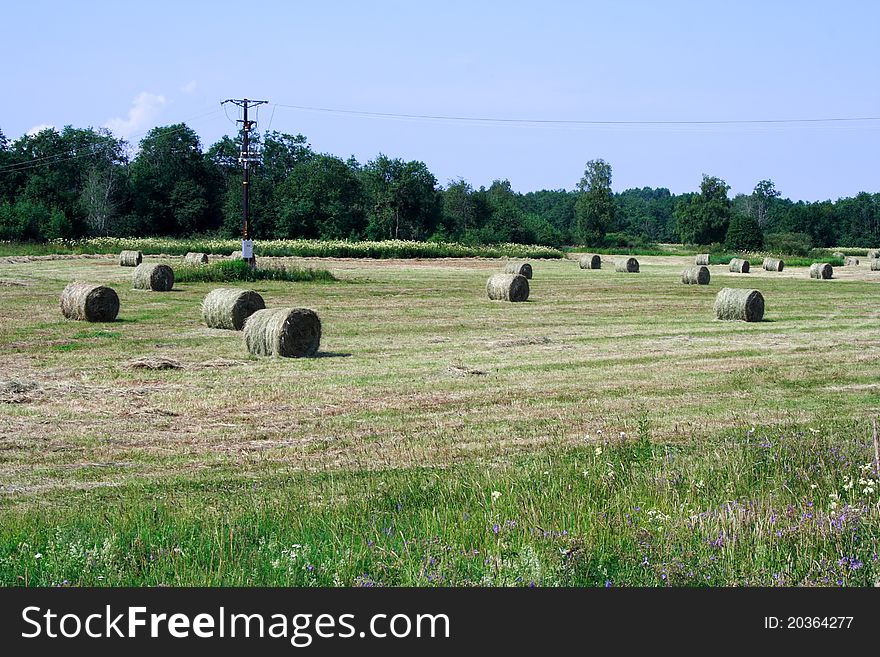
pixel 246 156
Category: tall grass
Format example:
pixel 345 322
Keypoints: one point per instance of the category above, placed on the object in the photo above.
pixel 228 271
pixel 768 507
pixel 298 248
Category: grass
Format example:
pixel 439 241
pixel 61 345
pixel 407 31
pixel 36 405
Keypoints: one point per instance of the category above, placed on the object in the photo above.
pixel 377 462
pixel 227 271
pixel 281 248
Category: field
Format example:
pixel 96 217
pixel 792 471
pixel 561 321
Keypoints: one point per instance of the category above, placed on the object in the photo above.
pixel 608 431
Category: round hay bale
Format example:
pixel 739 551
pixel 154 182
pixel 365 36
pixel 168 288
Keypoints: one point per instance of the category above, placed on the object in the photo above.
pixel 508 287
pixel 629 265
pixel 590 261
pixel 851 261
pixel 288 332
pixel 773 264
pixel 838 254
pixel 875 264
pixel 130 258
pixel 89 302
pixel 695 275
pixel 236 255
pixel 521 268
pixel 821 270
pixel 744 305
pixel 229 307
pixel 702 259
pixel 193 258
pixel 159 278
pixel 739 266
pixel 873 254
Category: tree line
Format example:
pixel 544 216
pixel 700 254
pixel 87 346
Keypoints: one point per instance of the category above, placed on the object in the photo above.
pixel 83 182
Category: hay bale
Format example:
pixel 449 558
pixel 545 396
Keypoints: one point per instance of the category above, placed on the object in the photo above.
pixel 89 302
pixel 875 264
pixel 773 264
pixel 702 259
pixel 873 254
pixel 695 275
pixel 159 278
pixel 130 258
pixel 851 261
pixel 237 255
pixel 288 332
pixel 739 266
pixel 821 270
pixel 228 308
pixel 744 305
pixel 838 254
pixel 590 261
pixel 630 265
pixel 521 268
pixel 193 258
pixel 507 287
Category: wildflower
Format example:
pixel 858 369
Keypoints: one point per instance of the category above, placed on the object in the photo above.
pixel 495 495
pixel 38 555
pixel 495 528
pixel 598 451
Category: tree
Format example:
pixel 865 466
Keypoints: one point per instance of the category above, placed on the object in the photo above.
pixel 403 199
pixel 595 207
pixel 744 233
pixel 174 190
pixel 761 201
pixel 704 217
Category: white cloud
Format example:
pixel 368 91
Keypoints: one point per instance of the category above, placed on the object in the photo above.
pixel 39 128
pixel 189 87
pixel 144 110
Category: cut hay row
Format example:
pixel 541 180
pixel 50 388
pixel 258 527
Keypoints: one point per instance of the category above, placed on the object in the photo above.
pixel 287 332
pixel 628 265
pixel 229 308
pixel 695 276
pixel 851 261
pixel 521 268
pixel 130 258
pixel 155 277
pixel 192 258
pixel 773 264
pixel 590 261
pixel 739 266
pixel 738 304
pixel 821 270
pixel 508 287
pixel 89 302
pixel 702 259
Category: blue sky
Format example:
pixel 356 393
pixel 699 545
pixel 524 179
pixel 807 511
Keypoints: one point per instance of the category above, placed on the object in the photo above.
pixel 132 66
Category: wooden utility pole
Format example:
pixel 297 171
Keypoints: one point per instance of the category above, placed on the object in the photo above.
pixel 246 157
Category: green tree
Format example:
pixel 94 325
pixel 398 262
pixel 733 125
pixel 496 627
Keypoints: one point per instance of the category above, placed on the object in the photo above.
pixel 403 201
pixel 761 202
pixel 744 233
pixel 704 217
pixel 595 208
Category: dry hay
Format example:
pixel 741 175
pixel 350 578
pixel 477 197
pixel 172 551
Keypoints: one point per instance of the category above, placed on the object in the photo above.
pixel 590 261
pixel 89 302
pixel 629 265
pixel 851 261
pixel 875 264
pixel 288 332
pixel 237 255
pixel 839 254
pixel 218 362
pixel 159 278
pixel 462 370
pixel 695 276
pixel 229 307
pixel 773 264
pixel 873 254
pixel 17 392
pixel 517 342
pixel 130 258
pixel 507 287
pixel 739 266
pixel 821 270
pixel 521 268
pixel 745 305
pixel 193 258
pixel 153 363
pixel 702 259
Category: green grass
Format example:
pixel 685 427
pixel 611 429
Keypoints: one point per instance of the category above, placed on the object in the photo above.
pixel 299 248
pixel 377 461
pixel 228 271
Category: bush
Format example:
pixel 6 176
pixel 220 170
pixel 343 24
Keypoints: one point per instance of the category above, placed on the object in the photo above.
pixel 798 244
pixel 229 271
pixel 743 234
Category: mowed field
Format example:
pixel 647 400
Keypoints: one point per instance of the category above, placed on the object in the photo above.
pixel 426 391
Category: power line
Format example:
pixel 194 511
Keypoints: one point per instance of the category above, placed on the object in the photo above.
pixel 576 122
